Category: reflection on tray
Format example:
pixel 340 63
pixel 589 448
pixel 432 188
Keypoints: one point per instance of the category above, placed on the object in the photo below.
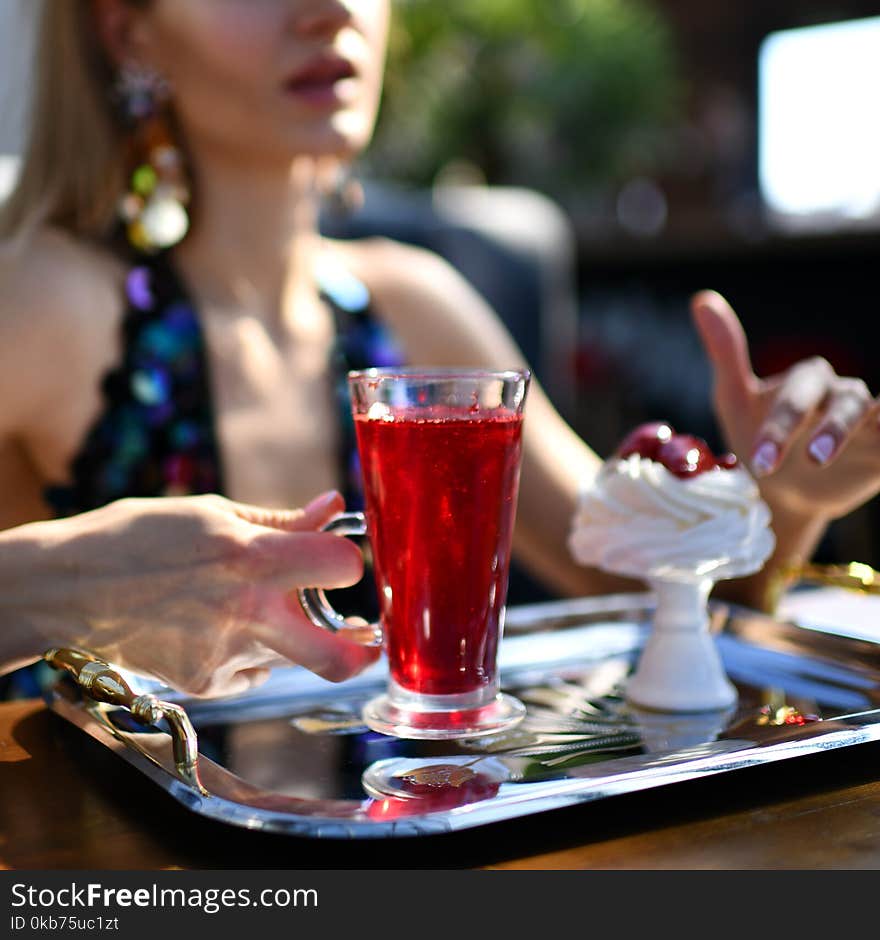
pixel 298 759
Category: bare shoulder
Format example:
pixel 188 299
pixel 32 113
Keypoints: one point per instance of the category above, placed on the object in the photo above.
pixel 60 303
pixel 391 268
pixel 55 282
pixel 437 314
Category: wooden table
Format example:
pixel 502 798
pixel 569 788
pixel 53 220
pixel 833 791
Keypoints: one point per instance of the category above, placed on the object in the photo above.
pixel 65 802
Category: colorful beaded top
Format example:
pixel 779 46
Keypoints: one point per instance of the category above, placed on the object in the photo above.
pixel 156 434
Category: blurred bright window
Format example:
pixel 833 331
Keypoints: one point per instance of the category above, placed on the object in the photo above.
pixel 819 125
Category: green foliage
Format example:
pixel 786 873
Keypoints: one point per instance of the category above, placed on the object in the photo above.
pixel 562 95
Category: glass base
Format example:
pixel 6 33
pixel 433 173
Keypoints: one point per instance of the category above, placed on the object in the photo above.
pixel 498 714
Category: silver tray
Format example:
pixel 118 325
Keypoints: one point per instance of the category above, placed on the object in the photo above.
pixel 292 756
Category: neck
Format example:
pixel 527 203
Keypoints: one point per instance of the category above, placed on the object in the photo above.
pixel 254 236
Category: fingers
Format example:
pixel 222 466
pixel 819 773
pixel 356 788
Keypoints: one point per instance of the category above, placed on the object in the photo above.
pixel 241 681
pixel 313 516
pixel 303 559
pixel 725 343
pixel 288 632
pixel 849 404
pixel 811 386
pixel 246 679
pixel 801 393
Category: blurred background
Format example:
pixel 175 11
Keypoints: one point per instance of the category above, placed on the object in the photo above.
pixel 589 164
pixel 687 145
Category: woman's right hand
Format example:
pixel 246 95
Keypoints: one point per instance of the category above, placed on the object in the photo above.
pixel 197 591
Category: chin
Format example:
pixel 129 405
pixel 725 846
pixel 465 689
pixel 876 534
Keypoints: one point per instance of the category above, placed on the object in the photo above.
pixel 345 137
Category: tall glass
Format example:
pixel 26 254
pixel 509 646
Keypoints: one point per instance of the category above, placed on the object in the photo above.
pixel 440 453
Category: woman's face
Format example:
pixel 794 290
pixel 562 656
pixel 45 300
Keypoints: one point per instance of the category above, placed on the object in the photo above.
pixel 269 79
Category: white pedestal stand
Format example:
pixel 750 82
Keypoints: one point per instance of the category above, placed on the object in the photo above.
pixel 679 669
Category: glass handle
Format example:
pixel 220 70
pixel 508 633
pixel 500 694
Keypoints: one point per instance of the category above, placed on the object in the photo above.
pixel 314 601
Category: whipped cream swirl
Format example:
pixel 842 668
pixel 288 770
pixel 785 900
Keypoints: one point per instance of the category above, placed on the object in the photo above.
pixel 640 520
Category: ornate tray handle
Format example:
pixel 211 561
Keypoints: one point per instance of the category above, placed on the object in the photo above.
pixel 101 683
pixel 854 576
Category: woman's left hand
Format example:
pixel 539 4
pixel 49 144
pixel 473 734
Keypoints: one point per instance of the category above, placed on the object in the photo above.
pixel 810 436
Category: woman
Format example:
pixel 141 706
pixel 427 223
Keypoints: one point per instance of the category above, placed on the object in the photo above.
pixel 232 340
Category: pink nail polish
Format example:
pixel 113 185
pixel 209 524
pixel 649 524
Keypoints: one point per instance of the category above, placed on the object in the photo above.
pixel 822 447
pixel 765 458
pixel 322 501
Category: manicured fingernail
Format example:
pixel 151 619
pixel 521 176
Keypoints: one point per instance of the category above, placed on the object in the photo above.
pixel 711 321
pixel 320 502
pixel 764 458
pixel 822 447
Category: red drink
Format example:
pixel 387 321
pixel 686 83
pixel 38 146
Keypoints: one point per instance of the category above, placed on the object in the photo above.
pixel 440 452
pixel 441 500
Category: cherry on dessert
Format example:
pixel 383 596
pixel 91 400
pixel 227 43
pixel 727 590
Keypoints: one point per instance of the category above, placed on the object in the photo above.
pixel 728 462
pixel 686 455
pixel 645 440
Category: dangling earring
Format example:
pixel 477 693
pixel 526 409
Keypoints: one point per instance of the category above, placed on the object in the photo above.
pixel 154 208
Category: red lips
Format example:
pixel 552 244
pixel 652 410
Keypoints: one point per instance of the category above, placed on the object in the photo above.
pixel 319 72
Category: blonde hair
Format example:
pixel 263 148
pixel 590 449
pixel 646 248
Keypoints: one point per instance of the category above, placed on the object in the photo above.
pixel 73 168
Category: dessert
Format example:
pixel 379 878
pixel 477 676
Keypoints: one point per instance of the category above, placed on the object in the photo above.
pixel 665 509
pixel 665 506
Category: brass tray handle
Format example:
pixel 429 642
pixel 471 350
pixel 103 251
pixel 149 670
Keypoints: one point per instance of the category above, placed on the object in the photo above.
pixel 855 576
pixel 100 682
